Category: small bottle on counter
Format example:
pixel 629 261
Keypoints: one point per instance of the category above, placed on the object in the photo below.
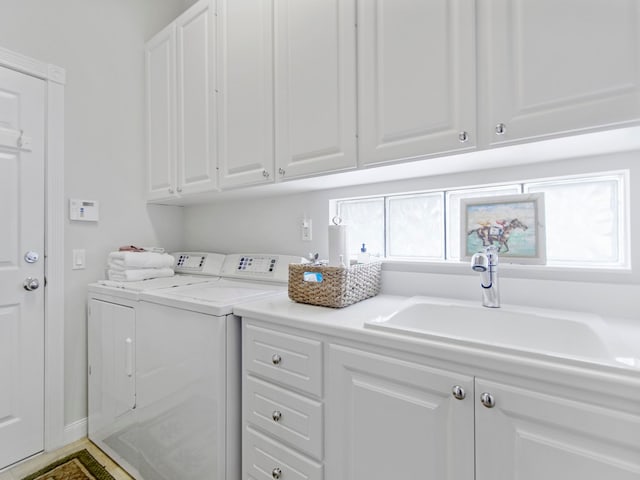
pixel 363 256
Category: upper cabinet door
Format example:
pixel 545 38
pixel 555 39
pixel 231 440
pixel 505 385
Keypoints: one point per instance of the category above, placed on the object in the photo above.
pixel 245 92
pixel 196 100
pixel 550 68
pixel 315 84
pixel 416 80
pixel 160 64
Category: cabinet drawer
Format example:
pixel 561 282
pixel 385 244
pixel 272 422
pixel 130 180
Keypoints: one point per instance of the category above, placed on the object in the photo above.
pixel 289 417
pixel 266 460
pixel 287 359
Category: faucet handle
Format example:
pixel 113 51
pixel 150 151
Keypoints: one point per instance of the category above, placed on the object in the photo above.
pixel 492 254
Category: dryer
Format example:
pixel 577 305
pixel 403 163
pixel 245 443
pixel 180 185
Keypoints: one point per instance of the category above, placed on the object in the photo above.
pixel 188 372
pixel 111 336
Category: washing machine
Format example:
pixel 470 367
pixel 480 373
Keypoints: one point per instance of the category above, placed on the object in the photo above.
pixel 188 372
pixel 111 334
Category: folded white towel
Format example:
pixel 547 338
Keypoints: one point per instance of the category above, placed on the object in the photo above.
pixel 119 267
pixel 139 274
pixel 141 259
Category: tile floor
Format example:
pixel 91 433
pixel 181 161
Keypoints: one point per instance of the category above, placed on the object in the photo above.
pixel 25 468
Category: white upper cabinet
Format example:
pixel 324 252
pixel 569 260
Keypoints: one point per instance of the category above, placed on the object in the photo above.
pixel 196 100
pixel 180 108
pixel 315 86
pixel 245 92
pixel 416 78
pixel 160 66
pixel 550 67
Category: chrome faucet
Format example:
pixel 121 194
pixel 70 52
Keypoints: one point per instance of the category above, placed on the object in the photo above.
pixel 487 264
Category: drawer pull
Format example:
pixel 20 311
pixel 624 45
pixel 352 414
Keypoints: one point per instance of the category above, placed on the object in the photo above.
pixel 276 415
pixel 276 359
pixel 276 473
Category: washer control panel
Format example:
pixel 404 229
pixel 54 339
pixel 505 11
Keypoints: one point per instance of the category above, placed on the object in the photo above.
pixel 257 264
pixel 265 267
pixel 199 263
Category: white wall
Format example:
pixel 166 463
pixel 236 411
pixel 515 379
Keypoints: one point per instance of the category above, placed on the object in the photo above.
pixel 272 224
pixel 100 44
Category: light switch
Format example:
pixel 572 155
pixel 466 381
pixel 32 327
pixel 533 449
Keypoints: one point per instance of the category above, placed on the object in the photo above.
pixel 306 229
pixel 79 259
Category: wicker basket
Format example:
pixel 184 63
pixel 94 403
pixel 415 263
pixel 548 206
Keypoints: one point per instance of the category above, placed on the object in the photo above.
pixel 336 286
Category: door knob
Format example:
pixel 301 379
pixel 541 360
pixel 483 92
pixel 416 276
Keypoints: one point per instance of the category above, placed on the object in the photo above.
pixel 31 256
pixel 31 284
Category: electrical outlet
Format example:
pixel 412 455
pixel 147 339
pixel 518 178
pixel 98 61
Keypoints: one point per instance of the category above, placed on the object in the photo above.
pixel 306 229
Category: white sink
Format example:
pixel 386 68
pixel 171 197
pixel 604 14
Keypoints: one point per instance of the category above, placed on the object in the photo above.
pixel 554 332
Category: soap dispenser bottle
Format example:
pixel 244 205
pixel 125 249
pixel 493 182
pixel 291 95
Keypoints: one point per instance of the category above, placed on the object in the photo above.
pixel 363 256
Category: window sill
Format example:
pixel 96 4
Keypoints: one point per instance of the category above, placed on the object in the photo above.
pixel 536 272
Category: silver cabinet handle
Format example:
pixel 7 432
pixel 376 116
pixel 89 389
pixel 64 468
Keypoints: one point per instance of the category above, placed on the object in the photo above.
pixel 31 284
pixel 281 171
pixel 171 190
pixel 487 400
pixel 501 129
pixel 276 359
pixel 276 415
pixel 179 189
pixel 458 392
pixel 463 137
pixel 276 473
pixel 265 174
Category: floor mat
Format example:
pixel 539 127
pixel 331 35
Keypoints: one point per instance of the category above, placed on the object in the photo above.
pixel 77 466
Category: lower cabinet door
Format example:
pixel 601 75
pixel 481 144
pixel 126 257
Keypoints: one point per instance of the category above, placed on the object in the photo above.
pixel 531 436
pixel 388 418
pixel 266 459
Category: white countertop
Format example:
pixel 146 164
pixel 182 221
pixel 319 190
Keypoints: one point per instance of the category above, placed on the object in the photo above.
pixel 347 324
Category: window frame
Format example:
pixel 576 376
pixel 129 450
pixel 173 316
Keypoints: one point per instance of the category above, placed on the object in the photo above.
pixel 555 269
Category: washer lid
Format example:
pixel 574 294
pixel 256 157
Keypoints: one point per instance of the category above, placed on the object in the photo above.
pixel 157 283
pixel 215 298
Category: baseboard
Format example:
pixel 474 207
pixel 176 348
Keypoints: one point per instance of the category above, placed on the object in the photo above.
pixel 75 431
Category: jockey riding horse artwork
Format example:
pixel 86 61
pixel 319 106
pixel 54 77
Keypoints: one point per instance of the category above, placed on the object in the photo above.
pixel 497 233
pixel 514 224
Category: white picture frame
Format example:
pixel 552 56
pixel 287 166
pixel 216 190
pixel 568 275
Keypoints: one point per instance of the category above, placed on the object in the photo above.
pixel 513 223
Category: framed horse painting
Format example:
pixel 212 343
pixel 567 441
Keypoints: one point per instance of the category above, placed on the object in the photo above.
pixel 512 223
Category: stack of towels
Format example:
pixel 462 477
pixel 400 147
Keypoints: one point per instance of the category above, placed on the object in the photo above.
pixel 132 266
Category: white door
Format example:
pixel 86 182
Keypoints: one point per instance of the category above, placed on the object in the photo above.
pixel 416 81
pixel 22 222
pixel 549 67
pixel 315 86
pixel 529 435
pixel 112 389
pixel 389 418
pixel 196 114
pixel 160 66
pixel 245 92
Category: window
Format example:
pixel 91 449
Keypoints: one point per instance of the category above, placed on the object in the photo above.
pixel 414 226
pixel 585 220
